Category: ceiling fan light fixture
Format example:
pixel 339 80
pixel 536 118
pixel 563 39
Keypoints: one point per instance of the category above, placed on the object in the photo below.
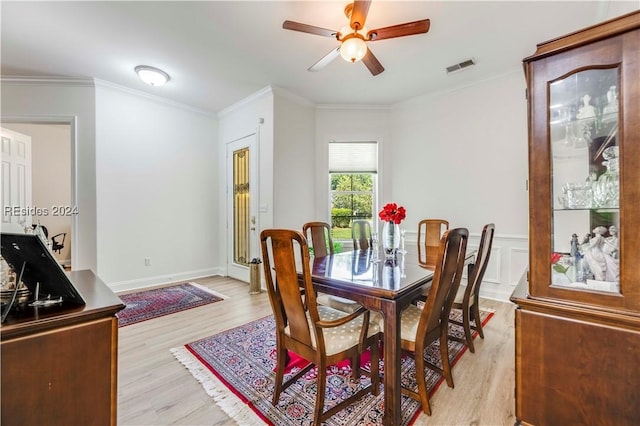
pixel 353 49
pixel 152 76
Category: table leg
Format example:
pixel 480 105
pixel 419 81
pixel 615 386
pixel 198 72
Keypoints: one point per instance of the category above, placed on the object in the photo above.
pixel 392 371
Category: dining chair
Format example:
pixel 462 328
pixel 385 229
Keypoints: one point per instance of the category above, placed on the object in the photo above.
pixel 467 297
pixel 320 334
pixel 320 235
pixel 420 327
pixel 361 234
pixel 429 233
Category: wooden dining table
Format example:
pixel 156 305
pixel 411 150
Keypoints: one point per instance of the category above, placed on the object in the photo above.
pixel 384 285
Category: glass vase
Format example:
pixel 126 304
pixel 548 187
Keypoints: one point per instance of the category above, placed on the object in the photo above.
pixel 390 238
pixel 607 188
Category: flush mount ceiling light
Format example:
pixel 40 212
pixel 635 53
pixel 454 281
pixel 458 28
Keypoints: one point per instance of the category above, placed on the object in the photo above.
pixel 152 76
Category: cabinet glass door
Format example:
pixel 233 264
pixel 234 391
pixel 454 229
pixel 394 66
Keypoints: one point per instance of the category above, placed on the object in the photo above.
pixel 583 128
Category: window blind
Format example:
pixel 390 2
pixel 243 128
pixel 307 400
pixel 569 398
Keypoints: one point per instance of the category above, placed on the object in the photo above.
pixel 353 157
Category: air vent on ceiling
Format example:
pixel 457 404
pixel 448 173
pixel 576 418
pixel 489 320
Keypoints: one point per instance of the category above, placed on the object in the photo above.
pixel 460 66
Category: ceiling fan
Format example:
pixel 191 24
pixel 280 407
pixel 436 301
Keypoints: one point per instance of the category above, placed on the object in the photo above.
pixel 353 38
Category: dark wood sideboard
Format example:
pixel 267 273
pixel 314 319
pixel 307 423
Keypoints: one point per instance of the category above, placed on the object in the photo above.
pixel 59 363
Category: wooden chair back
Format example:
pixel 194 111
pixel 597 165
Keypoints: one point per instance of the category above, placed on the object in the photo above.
pixel 446 280
pixel 432 323
pixel 480 266
pixel 429 233
pixel 468 298
pixel 319 233
pixel 283 250
pixel 361 234
pixel 299 327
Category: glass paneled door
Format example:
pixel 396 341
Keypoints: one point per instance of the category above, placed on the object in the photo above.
pixel 242 234
pixel 585 204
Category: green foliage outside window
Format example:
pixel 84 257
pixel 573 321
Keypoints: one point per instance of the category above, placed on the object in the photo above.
pixel 351 198
pixel 340 218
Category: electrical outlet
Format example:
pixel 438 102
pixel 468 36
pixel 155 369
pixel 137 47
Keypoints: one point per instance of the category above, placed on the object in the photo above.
pixel 147 261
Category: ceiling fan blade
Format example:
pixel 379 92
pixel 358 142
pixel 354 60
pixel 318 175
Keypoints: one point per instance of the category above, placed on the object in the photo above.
pixel 401 30
pixel 372 63
pixel 310 29
pixel 324 61
pixel 359 13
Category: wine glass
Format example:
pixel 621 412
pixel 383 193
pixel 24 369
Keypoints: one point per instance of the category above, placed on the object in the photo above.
pixel 374 243
pixel 402 232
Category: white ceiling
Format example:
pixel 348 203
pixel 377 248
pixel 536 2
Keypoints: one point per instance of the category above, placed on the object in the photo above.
pixel 219 52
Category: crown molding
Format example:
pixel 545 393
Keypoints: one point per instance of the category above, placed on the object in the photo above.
pixel 284 93
pixel 94 82
pixel 353 107
pixel 153 98
pixel 245 101
pixel 47 81
pixel 409 103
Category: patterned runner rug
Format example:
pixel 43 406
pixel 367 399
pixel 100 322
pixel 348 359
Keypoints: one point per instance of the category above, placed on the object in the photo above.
pixel 149 304
pixel 236 368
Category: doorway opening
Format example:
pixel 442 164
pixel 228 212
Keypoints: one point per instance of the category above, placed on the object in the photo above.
pixel 52 191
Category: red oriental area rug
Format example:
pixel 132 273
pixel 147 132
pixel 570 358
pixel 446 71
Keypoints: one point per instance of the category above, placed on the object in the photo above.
pixel 149 304
pixel 236 368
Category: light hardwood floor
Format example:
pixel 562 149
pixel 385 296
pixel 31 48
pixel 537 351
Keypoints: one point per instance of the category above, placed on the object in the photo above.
pixel 155 389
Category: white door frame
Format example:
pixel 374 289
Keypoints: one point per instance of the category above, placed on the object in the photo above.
pixel 250 141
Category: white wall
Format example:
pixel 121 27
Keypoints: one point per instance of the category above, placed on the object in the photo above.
pixel 459 155
pixel 157 189
pixel 64 100
pixel 462 156
pixel 51 178
pixel 293 162
pixel 335 122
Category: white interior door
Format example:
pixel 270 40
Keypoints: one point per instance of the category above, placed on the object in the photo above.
pixel 17 209
pixel 242 202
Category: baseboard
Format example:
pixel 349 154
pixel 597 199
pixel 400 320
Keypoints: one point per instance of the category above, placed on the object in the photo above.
pixel 164 279
pixel 495 295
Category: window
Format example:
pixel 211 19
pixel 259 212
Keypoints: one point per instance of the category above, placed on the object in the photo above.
pixel 353 168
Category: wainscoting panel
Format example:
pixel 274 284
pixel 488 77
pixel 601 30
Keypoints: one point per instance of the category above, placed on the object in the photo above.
pixel 519 258
pixel 509 258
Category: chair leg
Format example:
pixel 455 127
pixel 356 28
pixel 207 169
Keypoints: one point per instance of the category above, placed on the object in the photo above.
pixel 477 320
pixel 355 367
pixel 423 392
pixel 375 367
pixel 281 364
pixel 321 384
pixel 467 329
pixel 444 354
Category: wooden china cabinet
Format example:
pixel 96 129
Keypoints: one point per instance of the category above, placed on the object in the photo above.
pixel 578 307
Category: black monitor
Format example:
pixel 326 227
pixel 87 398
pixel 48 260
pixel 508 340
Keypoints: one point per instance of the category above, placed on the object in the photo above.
pixel 39 267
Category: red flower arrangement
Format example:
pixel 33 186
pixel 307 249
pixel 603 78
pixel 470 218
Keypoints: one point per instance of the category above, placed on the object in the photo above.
pixel 392 213
pixel 555 257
